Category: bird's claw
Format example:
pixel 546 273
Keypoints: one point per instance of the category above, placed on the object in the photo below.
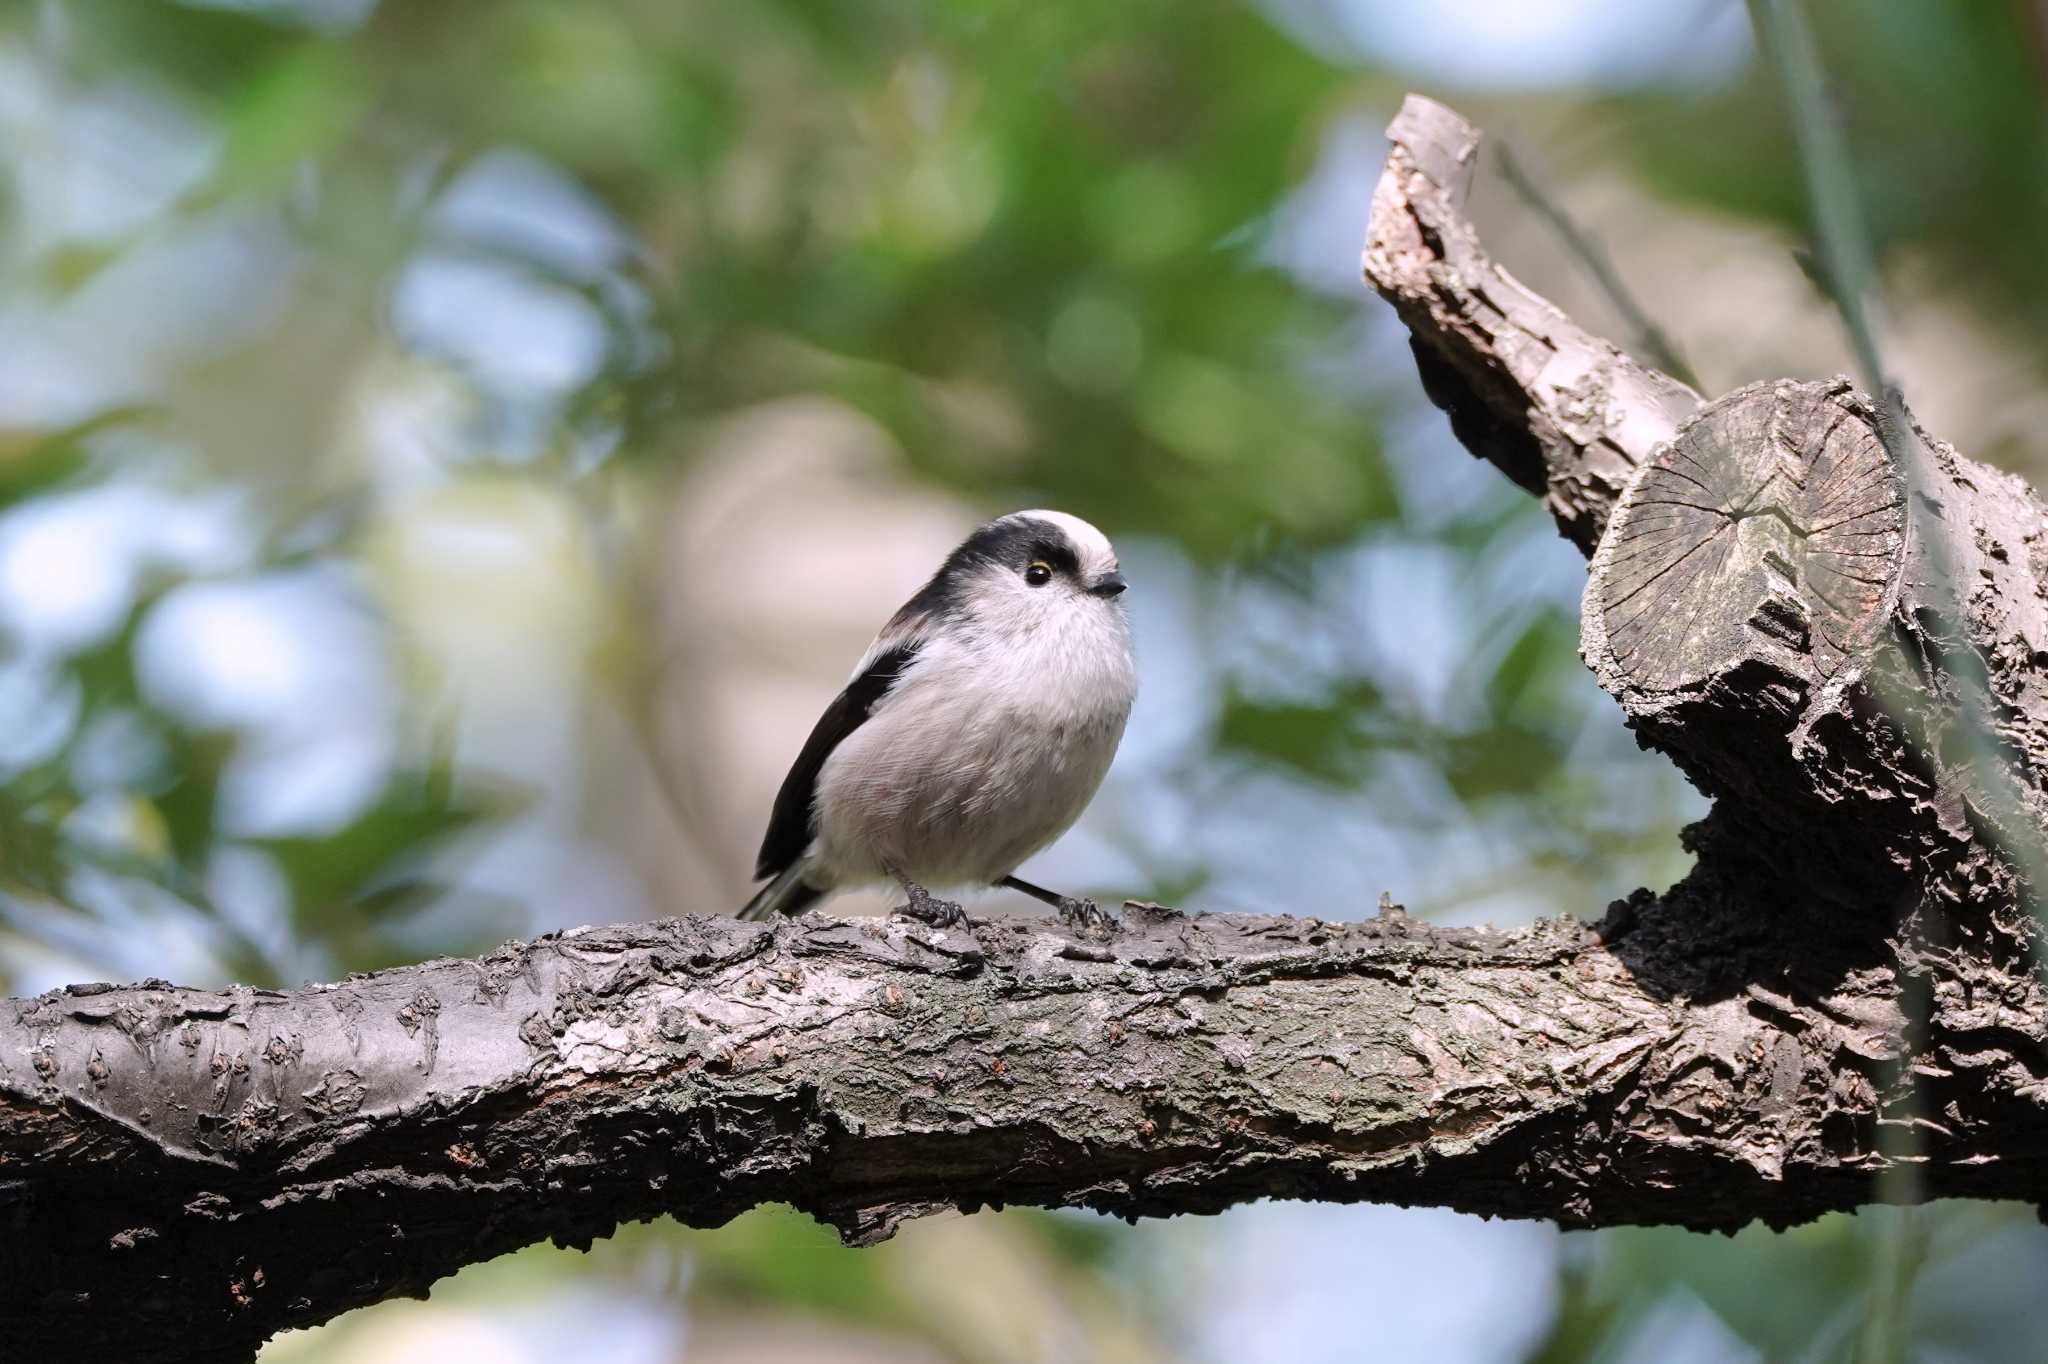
pixel 932 910
pixel 1086 916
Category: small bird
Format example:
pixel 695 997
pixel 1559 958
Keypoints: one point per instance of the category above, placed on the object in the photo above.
pixel 975 730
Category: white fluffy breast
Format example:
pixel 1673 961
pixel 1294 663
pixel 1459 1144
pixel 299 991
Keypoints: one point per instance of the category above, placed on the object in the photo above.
pixel 988 748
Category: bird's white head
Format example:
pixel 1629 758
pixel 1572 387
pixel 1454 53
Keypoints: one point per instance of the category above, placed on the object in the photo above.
pixel 1022 572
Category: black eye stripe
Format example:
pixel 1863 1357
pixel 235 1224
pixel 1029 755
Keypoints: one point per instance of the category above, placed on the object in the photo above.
pixel 1011 544
pixel 1060 557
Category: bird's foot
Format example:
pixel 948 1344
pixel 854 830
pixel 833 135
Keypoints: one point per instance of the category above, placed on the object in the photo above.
pixel 1087 916
pixel 932 910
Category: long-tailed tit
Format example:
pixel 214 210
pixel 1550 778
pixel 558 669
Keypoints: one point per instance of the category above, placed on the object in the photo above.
pixel 975 730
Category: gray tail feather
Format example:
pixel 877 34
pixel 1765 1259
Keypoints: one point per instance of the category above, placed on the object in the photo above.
pixel 786 894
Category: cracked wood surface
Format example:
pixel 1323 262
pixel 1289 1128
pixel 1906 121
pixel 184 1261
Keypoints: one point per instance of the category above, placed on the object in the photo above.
pixel 1767 612
pixel 184 1172
pixel 1773 520
pixel 1565 414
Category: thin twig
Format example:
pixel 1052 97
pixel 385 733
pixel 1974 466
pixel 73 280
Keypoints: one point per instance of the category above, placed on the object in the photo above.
pixel 1650 341
pixel 1843 255
pixel 1888 1311
pixel 1848 275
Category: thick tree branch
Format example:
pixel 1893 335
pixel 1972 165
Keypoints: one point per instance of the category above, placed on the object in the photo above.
pixel 183 1172
pixel 1841 988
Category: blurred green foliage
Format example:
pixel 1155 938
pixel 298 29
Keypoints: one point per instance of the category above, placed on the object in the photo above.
pixel 1942 106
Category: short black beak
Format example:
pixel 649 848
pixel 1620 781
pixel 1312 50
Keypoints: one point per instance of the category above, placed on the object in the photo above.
pixel 1110 584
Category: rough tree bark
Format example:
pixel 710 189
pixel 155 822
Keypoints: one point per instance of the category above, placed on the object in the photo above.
pixel 1842 987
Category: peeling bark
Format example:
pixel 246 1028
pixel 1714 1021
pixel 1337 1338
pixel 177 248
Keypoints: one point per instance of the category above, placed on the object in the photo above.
pixel 1565 414
pixel 1843 987
pixel 184 1172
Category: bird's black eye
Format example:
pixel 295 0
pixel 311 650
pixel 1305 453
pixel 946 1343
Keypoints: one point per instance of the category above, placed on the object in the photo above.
pixel 1039 574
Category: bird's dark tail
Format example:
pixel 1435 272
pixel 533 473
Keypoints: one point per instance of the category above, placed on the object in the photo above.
pixel 786 894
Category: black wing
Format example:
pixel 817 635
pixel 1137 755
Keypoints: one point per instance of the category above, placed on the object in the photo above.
pixel 789 827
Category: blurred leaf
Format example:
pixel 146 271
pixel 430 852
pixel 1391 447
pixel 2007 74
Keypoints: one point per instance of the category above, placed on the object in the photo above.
pixel 1504 759
pixel 32 854
pixel 1766 1285
pixel 1586 1317
pixel 187 806
pixel 206 47
pixel 373 865
pixel 1085 1240
pixel 32 464
pixel 1522 682
pixel 778 1255
pixel 37 462
pixel 1319 740
pixel 296 107
pixel 105 670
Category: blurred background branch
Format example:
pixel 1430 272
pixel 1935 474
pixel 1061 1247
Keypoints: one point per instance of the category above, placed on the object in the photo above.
pixel 1648 339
